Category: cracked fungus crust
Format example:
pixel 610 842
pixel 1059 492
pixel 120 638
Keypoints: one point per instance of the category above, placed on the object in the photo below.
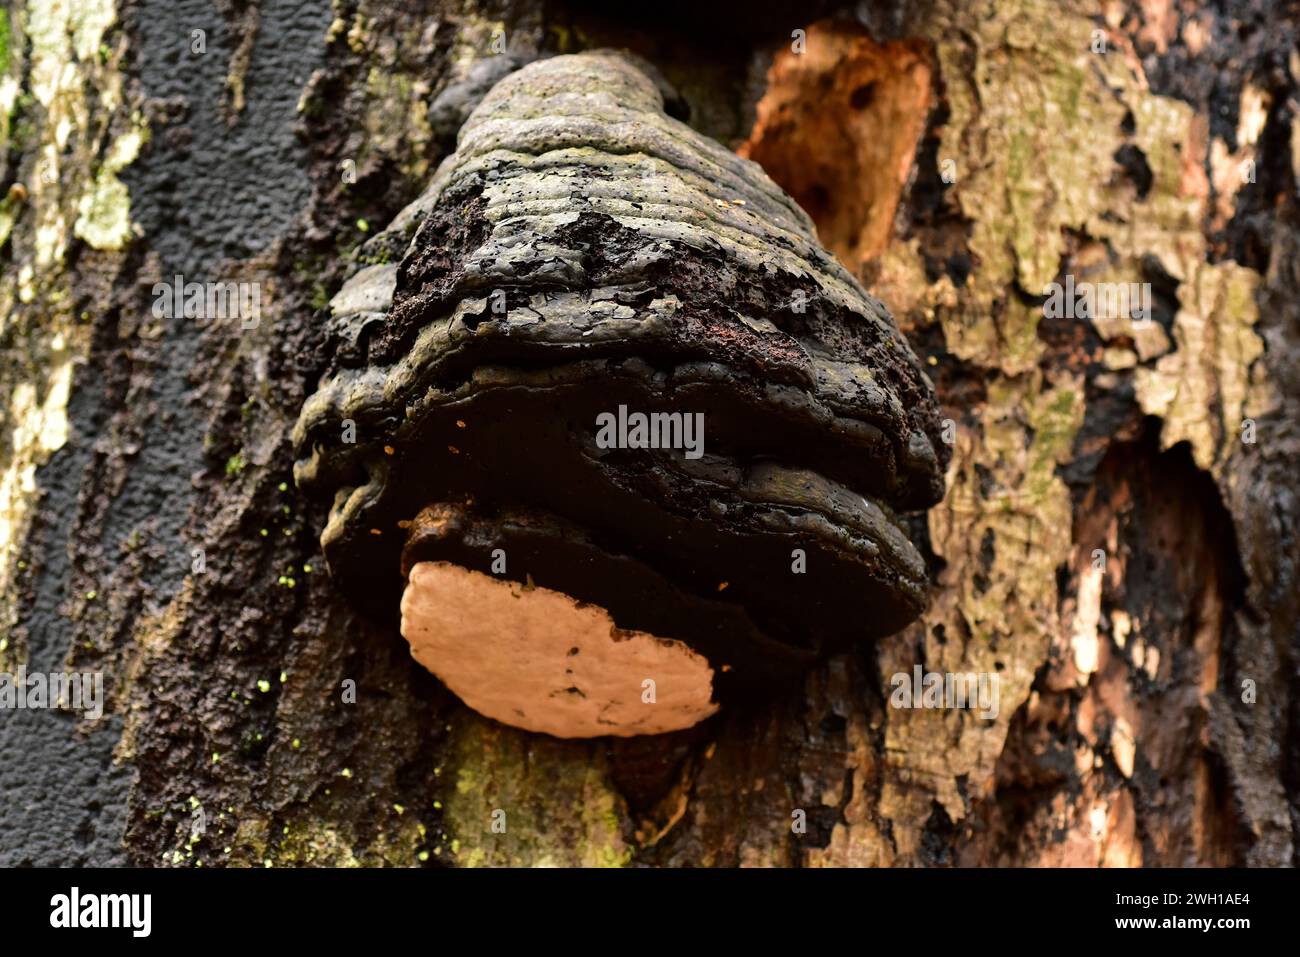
pixel 540 660
pixel 580 252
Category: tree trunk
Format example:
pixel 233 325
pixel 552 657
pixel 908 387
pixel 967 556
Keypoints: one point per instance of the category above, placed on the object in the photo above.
pixel 1116 544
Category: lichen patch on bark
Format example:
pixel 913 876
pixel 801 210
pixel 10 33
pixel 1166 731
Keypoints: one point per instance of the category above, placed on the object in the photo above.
pixel 72 76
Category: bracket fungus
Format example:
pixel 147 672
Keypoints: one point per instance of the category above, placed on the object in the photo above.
pixel 582 254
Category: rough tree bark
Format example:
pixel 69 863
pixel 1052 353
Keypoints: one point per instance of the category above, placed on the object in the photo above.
pixel 1116 542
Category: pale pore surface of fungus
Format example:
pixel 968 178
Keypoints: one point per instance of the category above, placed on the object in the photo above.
pixel 539 660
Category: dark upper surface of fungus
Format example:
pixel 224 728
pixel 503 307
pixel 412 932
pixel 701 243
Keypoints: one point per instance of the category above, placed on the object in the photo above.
pixel 580 251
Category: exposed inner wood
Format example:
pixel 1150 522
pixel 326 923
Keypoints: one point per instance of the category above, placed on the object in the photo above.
pixel 838 127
